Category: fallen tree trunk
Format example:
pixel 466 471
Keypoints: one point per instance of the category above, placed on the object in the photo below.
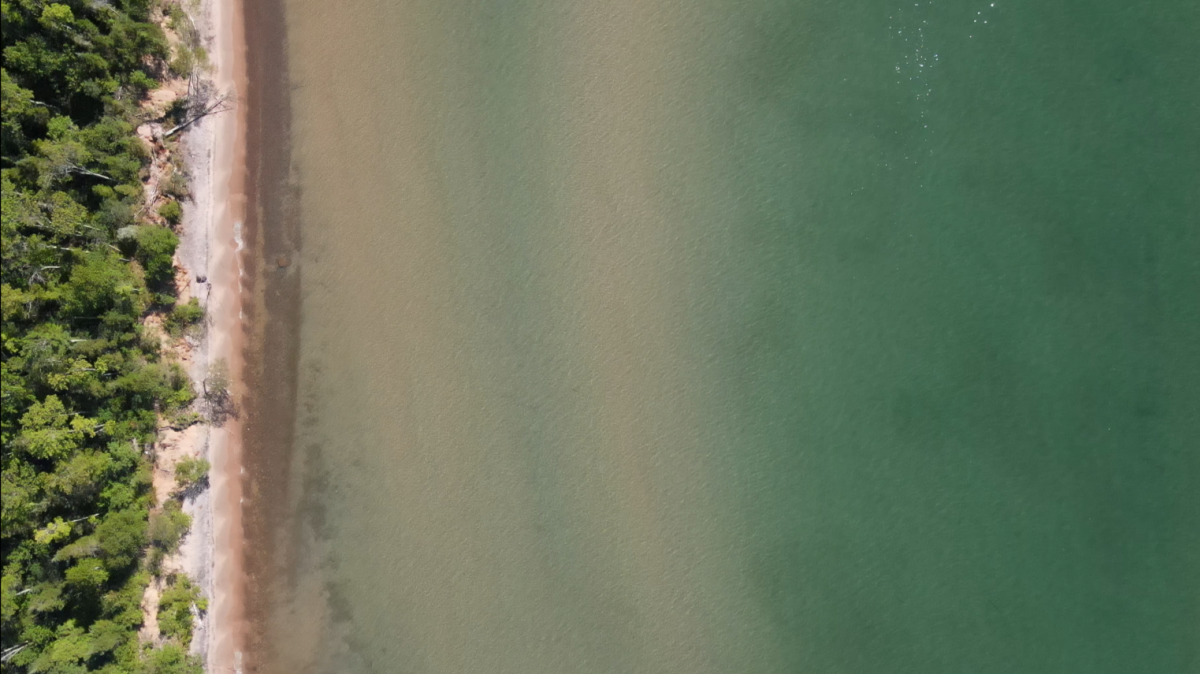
pixel 219 104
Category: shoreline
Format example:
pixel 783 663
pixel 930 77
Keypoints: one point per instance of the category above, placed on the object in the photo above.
pixel 211 248
pixel 271 304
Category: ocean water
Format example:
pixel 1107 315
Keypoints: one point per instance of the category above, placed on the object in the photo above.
pixel 760 336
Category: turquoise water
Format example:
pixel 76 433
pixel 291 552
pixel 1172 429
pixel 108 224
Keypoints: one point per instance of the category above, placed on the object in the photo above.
pixel 745 337
pixel 967 358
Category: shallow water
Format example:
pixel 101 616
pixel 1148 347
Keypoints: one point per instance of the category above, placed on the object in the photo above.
pixel 742 337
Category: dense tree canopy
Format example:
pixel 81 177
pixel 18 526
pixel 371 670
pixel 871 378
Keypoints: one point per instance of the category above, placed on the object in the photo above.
pixel 83 385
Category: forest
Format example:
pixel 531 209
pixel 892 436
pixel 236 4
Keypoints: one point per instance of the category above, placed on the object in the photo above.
pixel 86 385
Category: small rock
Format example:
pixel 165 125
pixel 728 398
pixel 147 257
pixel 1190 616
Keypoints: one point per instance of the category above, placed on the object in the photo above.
pixel 201 278
pixel 282 261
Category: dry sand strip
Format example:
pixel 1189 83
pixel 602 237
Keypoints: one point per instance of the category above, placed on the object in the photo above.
pixel 210 253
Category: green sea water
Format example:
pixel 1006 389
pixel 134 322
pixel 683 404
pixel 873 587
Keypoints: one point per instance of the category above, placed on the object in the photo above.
pixel 758 336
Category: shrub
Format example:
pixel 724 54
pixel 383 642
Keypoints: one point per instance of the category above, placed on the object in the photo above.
pixel 180 385
pixel 191 471
pixel 184 316
pixel 141 82
pixel 181 420
pixel 176 186
pixel 170 659
pixel 183 63
pixel 168 526
pixel 175 609
pixel 171 211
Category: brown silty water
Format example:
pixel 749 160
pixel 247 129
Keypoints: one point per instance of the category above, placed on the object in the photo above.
pixel 272 309
pixel 473 489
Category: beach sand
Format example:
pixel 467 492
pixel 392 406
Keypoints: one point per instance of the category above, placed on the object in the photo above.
pixel 210 249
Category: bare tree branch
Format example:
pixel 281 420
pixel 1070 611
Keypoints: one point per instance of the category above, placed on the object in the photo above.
pixel 81 171
pixel 209 105
pixel 11 651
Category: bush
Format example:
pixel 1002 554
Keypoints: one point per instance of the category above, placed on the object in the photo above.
pixel 184 316
pixel 176 186
pixel 168 526
pixel 175 609
pixel 171 659
pixel 141 82
pixel 181 420
pixel 191 471
pixel 183 63
pixel 171 211
pixel 154 561
pixel 180 384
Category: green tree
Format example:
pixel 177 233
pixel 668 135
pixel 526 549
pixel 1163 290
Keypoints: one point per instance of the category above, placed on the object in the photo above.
pixel 98 284
pixel 67 653
pixel 155 250
pixel 20 117
pixel 121 536
pixel 50 432
pixel 82 383
pixel 86 577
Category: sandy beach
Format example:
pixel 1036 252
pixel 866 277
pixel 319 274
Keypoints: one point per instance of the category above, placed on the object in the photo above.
pixel 210 253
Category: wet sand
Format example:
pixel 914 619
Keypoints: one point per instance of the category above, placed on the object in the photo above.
pixel 271 309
